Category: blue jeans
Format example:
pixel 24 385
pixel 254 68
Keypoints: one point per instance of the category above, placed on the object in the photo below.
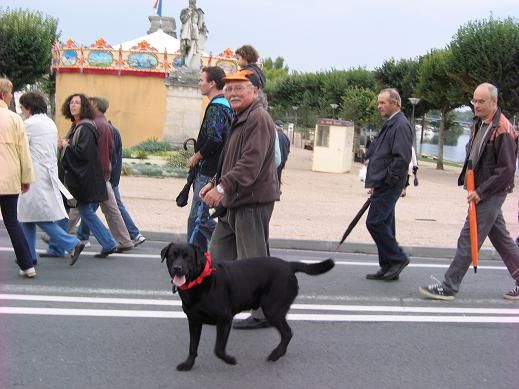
pixel 60 239
pixel 9 209
pixel 381 225
pixel 103 236
pixel 128 221
pixel 199 220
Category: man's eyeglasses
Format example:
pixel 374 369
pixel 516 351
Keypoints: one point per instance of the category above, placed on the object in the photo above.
pixel 477 101
pixel 235 88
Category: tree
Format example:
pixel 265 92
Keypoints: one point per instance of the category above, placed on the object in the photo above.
pixel 488 51
pixel 26 39
pixel 403 76
pixel 437 87
pixel 360 106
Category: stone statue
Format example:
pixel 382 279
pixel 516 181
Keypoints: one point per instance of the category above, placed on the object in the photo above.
pixel 192 35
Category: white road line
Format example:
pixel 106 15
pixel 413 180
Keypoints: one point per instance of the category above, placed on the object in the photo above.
pixel 339 263
pixel 311 307
pixel 292 316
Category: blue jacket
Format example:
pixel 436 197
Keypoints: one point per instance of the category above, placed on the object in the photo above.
pixel 389 163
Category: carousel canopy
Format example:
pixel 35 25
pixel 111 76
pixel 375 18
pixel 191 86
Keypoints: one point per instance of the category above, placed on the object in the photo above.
pixel 158 39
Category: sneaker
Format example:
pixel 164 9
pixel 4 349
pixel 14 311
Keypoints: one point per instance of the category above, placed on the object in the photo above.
pixel 86 243
pixel 513 294
pixel 139 239
pixel 29 273
pixel 436 292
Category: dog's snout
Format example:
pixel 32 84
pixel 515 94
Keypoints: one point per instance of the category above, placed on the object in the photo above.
pixel 177 268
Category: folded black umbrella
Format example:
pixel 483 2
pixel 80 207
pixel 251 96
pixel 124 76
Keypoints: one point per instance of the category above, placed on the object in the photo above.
pixel 354 222
pixel 183 196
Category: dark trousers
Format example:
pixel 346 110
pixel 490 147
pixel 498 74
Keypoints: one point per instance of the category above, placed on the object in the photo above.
pixel 9 206
pixel 381 224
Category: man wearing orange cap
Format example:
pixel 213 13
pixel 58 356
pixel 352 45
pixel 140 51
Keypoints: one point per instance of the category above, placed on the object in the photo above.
pixel 246 181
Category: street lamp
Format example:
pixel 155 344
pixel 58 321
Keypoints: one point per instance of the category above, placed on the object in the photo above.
pixel 414 101
pixel 334 107
pixel 295 108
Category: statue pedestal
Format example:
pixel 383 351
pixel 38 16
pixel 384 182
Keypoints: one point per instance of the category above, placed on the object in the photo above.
pixel 183 106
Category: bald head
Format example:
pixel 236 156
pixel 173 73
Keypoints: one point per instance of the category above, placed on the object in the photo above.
pixel 485 101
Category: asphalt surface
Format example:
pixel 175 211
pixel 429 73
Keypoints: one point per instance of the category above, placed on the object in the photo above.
pixel 113 323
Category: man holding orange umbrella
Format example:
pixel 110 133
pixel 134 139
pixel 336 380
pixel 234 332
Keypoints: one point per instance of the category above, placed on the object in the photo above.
pixel 492 151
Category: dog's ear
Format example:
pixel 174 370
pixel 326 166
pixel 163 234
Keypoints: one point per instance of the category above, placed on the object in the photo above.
pixel 164 252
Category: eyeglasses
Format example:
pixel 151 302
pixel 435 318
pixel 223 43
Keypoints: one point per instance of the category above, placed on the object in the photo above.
pixel 477 101
pixel 236 88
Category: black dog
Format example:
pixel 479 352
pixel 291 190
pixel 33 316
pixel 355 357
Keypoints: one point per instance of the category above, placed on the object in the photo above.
pixel 213 294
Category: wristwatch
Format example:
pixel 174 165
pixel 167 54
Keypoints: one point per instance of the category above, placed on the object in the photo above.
pixel 219 188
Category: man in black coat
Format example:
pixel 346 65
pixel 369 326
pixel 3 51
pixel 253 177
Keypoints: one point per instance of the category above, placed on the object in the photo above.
pixel 386 177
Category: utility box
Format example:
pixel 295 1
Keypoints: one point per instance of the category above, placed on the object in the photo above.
pixel 333 146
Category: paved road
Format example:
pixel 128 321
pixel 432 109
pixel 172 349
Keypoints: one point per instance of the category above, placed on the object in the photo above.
pixel 113 323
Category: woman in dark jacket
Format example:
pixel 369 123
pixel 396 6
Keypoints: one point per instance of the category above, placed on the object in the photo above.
pixel 82 172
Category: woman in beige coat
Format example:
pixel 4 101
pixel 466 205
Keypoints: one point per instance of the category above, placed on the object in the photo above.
pixel 16 175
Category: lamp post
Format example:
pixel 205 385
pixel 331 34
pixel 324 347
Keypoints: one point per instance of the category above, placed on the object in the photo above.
pixel 295 108
pixel 414 101
pixel 334 107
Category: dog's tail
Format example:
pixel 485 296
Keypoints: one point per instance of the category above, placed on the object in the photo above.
pixel 313 269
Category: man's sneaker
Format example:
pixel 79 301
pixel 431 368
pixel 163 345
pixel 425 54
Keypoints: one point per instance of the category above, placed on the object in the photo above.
pixel 75 254
pixel 86 243
pixel 29 273
pixel 513 294
pixel 436 292
pixel 139 239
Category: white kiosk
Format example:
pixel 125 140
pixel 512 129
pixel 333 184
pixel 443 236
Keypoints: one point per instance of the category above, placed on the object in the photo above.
pixel 333 146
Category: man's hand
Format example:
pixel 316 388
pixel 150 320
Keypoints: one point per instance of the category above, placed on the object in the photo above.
pixel 473 196
pixel 193 161
pixel 25 187
pixel 62 142
pixel 212 198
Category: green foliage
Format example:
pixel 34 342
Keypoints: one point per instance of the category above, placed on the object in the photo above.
pixel 152 170
pixel 403 76
pixel 360 106
pixel 26 39
pixel 152 145
pixel 140 154
pixel 179 158
pixel 313 93
pixel 435 85
pixel 453 130
pixel 488 51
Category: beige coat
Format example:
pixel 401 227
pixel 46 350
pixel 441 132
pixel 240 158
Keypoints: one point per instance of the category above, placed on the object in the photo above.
pixel 15 157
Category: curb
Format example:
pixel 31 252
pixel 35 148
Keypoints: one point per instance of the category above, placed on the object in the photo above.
pixel 331 246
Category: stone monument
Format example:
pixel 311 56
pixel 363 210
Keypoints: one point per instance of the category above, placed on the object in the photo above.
pixel 183 99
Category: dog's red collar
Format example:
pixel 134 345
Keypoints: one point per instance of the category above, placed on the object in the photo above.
pixel 208 270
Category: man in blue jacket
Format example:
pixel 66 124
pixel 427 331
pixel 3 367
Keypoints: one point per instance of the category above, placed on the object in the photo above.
pixel 386 177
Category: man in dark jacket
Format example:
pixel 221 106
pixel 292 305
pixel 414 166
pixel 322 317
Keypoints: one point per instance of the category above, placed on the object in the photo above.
pixel 246 181
pixel 209 144
pixel 386 177
pixel 492 151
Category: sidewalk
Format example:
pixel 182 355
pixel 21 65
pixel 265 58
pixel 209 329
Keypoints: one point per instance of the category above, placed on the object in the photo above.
pixel 315 209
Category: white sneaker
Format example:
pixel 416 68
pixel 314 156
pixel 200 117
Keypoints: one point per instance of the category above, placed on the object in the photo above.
pixel 29 273
pixel 86 243
pixel 139 240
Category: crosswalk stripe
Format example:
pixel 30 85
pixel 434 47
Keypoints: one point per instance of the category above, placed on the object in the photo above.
pixel 290 317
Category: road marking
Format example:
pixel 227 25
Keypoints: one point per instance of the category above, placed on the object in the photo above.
pixel 337 262
pixel 290 316
pixel 311 307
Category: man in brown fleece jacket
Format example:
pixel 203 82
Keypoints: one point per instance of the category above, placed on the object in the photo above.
pixel 246 181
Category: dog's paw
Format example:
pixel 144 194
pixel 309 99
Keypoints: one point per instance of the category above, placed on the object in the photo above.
pixel 227 359
pixel 186 365
pixel 276 354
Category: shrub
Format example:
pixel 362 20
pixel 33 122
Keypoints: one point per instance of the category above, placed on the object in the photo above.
pixel 179 158
pixel 152 145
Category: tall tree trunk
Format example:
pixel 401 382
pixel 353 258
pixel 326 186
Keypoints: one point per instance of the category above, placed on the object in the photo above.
pixel 441 139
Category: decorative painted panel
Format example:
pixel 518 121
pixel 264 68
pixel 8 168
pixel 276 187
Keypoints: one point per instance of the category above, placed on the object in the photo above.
pixel 100 59
pixel 143 61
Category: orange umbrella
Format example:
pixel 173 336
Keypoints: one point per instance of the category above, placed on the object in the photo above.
pixel 473 221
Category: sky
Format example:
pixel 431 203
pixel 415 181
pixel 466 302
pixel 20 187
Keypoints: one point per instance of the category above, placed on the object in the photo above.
pixel 311 35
